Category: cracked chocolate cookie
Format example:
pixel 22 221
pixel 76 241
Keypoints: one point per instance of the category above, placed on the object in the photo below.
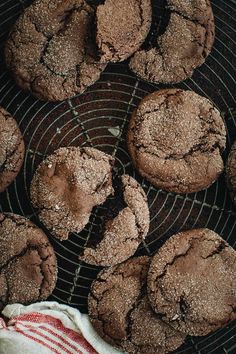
pixel 67 185
pixel 51 50
pixel 192 284
pixel 184 46
pixel 124 233
pixel 231 172
pixel 120 312
pixel 28 266
pixel 12 149
pixel 175 139
pixel 122 27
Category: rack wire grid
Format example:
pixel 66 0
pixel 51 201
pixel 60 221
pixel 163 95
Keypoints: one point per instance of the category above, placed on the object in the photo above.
pixel 99 118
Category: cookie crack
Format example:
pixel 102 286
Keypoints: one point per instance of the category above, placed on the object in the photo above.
pixel 200 147
pixel 90 57
pixel 6 295
pixel 167 96
pixel 115 51
pixel 12 260
pixel 164 103
pixel 182 303
pixel 13 133
pixel 56 224
pixel 129 320
pixel 65 22
pixel 221 247
pixel 103 184
pixel 187 18
pixel 205 25
pixel 199 21
pixel 141 12
pixel 43 260
pixel 99 317
pixel 137 223
pixel 183 306
pixel 22 254
pixel 111 49
pixel 139 229
pixel 98 249
pixel 162 275
pixel 171 262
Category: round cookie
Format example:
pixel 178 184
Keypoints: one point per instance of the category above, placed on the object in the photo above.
pixel 184 46
pixel 192 284
pixel 122 27
pixel 12 149
pixel 67 185
pixel 126 231
pixel 28 266
pixel 175 139
pixel 120 312
pixel 231 172
pixel 51 50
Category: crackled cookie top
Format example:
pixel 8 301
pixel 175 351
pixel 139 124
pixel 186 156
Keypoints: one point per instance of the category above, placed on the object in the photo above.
pixel 121 314
pixel 67 185
pixel 51 50
pixel 231 172
pixel 122 27
pixel 28 267
pixel 185 44
pixel 124 233
pixel 12 149
pixel 192 284
pixel 175 139
pixel 148 333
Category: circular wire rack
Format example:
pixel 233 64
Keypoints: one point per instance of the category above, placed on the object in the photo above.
pixel 99 118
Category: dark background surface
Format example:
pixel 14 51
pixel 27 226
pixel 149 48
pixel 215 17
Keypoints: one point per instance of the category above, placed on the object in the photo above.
pixel 99 118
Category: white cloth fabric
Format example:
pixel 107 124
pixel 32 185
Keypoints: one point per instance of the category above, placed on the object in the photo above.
pixel 49 327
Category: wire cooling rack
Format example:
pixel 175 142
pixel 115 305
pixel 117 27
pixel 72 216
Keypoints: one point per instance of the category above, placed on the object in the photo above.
pixel 99 118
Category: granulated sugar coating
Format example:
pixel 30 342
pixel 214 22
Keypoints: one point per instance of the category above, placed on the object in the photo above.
pixel 51 50
pixel 175 139
pixel 67 185
pixel 121 314
pixel 122 27
pixel 192 283
pixel 12 149
pixel 28 267
pixel 187 41
pixel 126 231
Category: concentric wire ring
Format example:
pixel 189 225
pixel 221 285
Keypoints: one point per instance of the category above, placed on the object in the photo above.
pixel 99 118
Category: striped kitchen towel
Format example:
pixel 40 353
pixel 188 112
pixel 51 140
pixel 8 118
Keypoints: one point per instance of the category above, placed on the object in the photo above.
pixel 47 328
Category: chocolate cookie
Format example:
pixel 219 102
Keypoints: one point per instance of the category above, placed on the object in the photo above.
pixel 12 149
pixel 121 314
pixel 28 266
pixel 122 27
pixel 175 139
pixel 192 283
pixel 187 41
pixel 67 185
pixel 51 50
pixel 125 232
pixel 231 172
